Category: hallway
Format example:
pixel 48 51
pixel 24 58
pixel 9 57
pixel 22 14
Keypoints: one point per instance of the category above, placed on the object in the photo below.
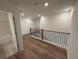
pixel 35 49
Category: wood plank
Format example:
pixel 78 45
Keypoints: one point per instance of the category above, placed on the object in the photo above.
pixel 35 49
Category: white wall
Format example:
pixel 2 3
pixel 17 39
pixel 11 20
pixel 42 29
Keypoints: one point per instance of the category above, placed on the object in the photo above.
pixel 4 23
pixel 36 22
pixel 73 43
pixel 56 22
pixel 26 23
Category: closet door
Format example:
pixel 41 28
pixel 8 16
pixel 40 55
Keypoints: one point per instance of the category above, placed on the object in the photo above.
pixel 7 34
pixel 13 35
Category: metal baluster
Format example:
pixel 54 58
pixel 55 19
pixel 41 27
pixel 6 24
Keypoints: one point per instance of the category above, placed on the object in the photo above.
pixel 59 39
pixel 63 35
pixel 65 40
pixel 62 39
pixel 56 39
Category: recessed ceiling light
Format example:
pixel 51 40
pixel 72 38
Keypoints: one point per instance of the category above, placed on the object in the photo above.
pixel 46 4
pixel 22 14
pixel 39 15
pixel 68 9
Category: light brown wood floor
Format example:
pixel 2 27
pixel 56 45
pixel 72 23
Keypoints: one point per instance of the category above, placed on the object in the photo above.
pixel 35 49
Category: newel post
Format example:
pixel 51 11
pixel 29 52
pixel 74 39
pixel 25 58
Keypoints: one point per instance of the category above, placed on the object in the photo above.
pixel 30 31
pixel 42 34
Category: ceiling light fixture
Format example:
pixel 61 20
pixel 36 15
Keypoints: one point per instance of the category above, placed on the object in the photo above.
pixel 46 4
pixel 22 14
pixel 39 15
pixel 68 9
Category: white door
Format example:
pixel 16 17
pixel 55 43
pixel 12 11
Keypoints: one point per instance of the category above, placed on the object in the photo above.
pixel 7 34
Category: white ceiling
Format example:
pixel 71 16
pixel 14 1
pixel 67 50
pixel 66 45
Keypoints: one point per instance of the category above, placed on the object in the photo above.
pixel 29 9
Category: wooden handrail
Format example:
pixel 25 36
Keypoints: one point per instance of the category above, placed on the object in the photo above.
pixel 51 31
pixel 57 32
pixel 36 29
